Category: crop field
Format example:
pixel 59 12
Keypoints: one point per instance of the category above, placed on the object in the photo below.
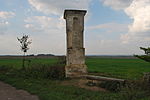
pixel 17 63
pixel 118 67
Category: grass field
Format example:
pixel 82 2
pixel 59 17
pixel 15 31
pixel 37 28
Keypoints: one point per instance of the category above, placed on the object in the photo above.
pixel 115 67
pixel 48 89
pixel 17 63
pixel 54 90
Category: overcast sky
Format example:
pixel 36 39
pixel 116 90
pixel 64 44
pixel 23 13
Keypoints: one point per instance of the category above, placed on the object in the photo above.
pixel 112 27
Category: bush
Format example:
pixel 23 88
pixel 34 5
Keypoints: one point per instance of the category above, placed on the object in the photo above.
pixel 5 69
pixel 61 60
pixel 113 86
pixel 45 71
pixel 143 57
pixel 135 90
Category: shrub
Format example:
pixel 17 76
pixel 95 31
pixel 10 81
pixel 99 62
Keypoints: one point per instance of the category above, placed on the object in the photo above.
pixel 45 71
pixel 4 69
pixel 135 90
pixel 113 86
pixel 61 60
pixel 143 57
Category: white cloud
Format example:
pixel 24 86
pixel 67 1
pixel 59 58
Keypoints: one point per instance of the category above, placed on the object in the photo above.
pixel 52 28
pixel 9 44
pixel 4 23
pixel 117 4
pixel 45 24
pixel 58 6
pixel 50 34
pixel 111 27
pixel 111 47
pixel 6 15
pixel 29 26
pixel 139 11
pixel 3 26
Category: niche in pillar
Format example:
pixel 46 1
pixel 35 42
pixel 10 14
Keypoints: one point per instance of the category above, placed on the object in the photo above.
pixel 77 34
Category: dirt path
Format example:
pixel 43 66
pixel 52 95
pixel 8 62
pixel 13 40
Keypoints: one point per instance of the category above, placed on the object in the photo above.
pixel 8 92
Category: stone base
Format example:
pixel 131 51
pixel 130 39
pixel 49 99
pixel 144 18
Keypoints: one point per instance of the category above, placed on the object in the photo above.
pixel 75 70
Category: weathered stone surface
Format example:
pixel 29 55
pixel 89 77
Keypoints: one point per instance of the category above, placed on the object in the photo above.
pixel 75 65
pixel 101 78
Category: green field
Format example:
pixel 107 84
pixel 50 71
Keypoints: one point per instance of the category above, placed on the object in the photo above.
pixel 115 67
pixel 17 63
pixel 48 89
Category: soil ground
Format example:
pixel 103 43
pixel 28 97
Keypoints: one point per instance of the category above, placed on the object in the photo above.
pixel 8 92
pixel 82 83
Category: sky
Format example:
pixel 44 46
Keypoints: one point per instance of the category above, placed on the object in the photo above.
pixel 112 27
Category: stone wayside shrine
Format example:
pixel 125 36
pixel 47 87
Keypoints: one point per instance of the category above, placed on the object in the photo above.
pixel 75 59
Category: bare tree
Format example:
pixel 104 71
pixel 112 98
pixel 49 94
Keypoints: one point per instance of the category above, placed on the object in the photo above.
pixel 24 41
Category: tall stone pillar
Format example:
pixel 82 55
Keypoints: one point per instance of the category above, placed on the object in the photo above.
pixel 75 60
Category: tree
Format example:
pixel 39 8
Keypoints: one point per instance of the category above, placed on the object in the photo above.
pixel 145 57
pixel 24 41
pixel 146 50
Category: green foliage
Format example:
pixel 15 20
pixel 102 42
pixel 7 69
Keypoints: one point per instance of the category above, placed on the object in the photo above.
pixel 5 69
pixel 146 50
pixel 24 41
pixel 41 68
pixel 45 71
pixel 61 60
pixel 37 68
pixel 135 90
pixel 144 57
pixel 113 86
